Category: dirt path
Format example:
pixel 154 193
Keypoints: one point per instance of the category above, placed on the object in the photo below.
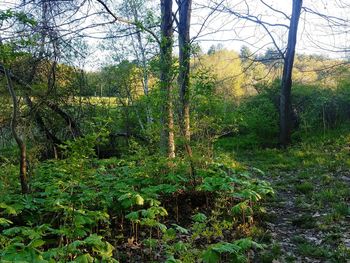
pixel 283 227
pixel 304 228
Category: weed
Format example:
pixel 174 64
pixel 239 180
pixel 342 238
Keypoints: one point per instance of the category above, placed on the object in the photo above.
pixel 342 209
pixel 304 221
pixel 311 250
pixel 305 187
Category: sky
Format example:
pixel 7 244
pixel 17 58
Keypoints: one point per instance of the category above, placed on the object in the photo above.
pixel 315 35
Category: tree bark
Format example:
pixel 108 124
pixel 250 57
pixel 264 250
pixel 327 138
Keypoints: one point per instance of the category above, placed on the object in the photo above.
pixel 184 75
pixel 286 85
pixel 184 61
pixel 166 43
pixel 19 141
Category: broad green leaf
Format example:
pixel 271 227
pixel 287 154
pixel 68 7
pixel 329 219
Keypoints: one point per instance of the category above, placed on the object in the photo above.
pixel 5 222
pixel 210 256
pixel 199 217
pixel 139 200
pixel 36 243
pixel 225 247
pixel 180 229
pixel 86 258
pixel 8 209
pixel 172 259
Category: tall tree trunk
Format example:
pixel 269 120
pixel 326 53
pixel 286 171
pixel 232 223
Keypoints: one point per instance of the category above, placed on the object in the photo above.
pixel 167 117
pixel 184 61
pixel 286 85
pixel 184 75
pixel 19 141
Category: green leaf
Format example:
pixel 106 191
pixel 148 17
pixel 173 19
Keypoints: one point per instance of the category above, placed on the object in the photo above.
pixel 36 243
pixel 180 247
pixel 124 196
pixel 5 222
pixel 180 229
pixel 150 242
pixel 86 258
pixel 139 200
pixel 247 243
pixel 242 207
pixel 225 247
pixel 133 216
pixel 172 259
pixel 199 217
pixel 170 234
pixel 107 251
pixel 162 227
pixel 210 256
pixel 93 239
pixel 8 209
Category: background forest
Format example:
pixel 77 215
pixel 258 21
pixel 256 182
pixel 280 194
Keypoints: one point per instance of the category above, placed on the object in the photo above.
pixel 140 131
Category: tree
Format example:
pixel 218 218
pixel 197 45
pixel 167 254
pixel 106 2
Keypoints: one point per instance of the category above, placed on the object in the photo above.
pixel 141 46
pixel 325 22
pixel 286 84
pixel 20 143
pixel 166 61
pixel 7 54
pixel 245 54
pixel 226 66
pixel 37 72
pixel 215 48
pixel 184 68
pixel 167 139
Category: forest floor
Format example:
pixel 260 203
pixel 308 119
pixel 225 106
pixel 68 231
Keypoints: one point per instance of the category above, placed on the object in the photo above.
pixel 308 220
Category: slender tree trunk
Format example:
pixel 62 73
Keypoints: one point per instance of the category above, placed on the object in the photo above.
pixel 286 85
pixel 19 141
pixel 167 117
pixel 184 61
pixel 184 75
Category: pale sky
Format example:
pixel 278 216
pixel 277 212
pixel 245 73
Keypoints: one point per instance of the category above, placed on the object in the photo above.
pixel 315 34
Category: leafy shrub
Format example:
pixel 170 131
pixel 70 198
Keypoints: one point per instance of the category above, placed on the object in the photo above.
pixel 259 121
pixel 320 107
pixel 79 206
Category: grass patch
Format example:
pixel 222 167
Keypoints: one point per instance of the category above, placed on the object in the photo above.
pixel 327 196
pixel 305 187
pixel 304 221
pixel 311 250
pixel 343 209
pixel 337 254
pixel 274 252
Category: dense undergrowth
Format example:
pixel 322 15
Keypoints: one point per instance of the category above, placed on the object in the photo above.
pixel 136 209
pixel 141 207
pixel 317 110
pixel 308 219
